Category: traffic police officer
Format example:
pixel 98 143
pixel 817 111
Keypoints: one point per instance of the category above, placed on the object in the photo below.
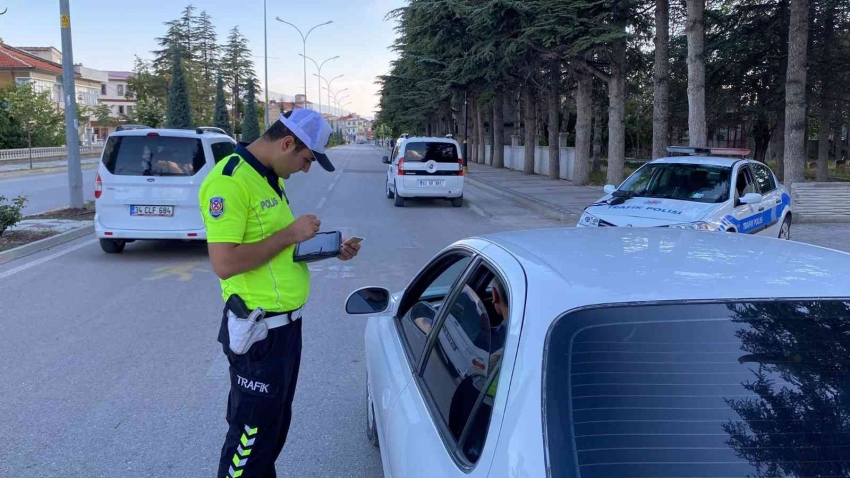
pixel 252 233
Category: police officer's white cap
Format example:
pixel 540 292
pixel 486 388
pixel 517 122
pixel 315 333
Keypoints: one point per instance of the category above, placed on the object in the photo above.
pixel 312 130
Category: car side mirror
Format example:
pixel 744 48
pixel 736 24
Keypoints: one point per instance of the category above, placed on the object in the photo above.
pixel 751 198
pixel 368 300
pixel 386 160
pixel 609 188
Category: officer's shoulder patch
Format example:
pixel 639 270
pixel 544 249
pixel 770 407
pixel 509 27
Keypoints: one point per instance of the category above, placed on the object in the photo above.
pixel 216 207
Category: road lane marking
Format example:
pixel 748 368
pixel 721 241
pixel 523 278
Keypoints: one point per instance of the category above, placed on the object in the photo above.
pixel 477 210
pixel 183 272
pixel 44 259
pixel 322 202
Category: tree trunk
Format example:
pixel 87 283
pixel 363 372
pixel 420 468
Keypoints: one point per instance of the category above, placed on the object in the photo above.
pixel 584 109
pixel 597 138
pixel 826 103
pixel 530 131
pixel 779 133
pixel 661 80
pixel 488 117
pixel 479 113
pixel 473 130
pixel 697 133
pixel 795 93
pixel 498 131
pixel 617 93
pixel 554 121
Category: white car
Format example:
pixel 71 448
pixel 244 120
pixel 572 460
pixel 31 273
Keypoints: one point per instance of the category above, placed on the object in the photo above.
pixel 692 192
pixel 147 184
pixel 425 167
pixel 627 353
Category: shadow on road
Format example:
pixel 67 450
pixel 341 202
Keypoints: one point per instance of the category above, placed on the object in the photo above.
pixel 166 250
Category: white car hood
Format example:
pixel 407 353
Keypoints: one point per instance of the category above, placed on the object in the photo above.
pixel 651 212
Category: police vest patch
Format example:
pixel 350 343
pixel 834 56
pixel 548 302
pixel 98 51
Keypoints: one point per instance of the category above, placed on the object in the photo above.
pixel 216 207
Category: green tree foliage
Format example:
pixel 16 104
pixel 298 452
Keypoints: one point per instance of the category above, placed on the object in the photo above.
pixel 251 124
pixel 221 119
pixel 29 118
pixel 179 111
pixel 237 68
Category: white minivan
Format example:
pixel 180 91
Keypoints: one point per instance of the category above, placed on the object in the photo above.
pixel 147 184
pixel 425 167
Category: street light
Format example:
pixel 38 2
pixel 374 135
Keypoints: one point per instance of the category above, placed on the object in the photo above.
pixel 319 67
pixel 266 54
pixel 304 41
pixel 336 95
pixel 329 85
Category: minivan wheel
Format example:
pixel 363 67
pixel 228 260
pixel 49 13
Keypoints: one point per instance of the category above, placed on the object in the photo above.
pixel 458 201
pixel 390 193
pixel 399 201
pixel 112 246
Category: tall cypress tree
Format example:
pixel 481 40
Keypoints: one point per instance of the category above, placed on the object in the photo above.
pixel 251 123
pixel 221 119
pixel 179 111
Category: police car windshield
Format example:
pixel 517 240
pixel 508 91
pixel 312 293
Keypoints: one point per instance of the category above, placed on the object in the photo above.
pixel 686 182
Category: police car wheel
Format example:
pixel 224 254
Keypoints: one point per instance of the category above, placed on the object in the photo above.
pixel 390 193
pixel 785 229
pixel 112 246
pixel 371 425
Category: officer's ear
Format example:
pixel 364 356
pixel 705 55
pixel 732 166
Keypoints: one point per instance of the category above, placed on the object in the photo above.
pixel 286 143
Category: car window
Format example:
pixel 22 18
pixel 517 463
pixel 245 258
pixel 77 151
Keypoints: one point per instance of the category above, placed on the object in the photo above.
pixel 764 178
pixel 422 151
pixel 745 184
pixel 686 182
pixel 711 390
pixel 461 372
pixel 153 156
pixel 222 150
pixel 424 300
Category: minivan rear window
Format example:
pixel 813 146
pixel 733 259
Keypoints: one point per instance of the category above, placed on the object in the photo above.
pixel 424 151
pixel 700 390
pixel 153 156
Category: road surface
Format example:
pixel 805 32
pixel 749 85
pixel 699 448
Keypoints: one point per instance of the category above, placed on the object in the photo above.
pixel 110 362
pixel 45 191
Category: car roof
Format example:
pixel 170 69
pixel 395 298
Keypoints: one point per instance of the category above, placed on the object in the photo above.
pixel 706 160
pixel 576 267
pixel 174 133
pixel 428 139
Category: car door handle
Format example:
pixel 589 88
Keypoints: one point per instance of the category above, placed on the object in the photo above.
pixel 761 209
pixel 778 201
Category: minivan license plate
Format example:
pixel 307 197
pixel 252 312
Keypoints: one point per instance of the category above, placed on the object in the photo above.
pixel 423 182
pixel 152 211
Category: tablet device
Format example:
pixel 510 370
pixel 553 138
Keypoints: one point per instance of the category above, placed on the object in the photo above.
pixel 325 245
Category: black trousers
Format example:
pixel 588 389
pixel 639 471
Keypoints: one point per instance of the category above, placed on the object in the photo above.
pixel 259 407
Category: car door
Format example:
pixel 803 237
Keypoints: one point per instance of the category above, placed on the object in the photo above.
pixel 746 218
pixel 772 201
pixel 392 167
pixel 446 422
pixel 395 341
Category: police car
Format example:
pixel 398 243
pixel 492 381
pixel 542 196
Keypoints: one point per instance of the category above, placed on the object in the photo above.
pixel 708 193
pixel 682 366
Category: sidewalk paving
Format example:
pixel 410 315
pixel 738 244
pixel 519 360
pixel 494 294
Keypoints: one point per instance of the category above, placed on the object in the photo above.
pixel 13 166
pixel 557 199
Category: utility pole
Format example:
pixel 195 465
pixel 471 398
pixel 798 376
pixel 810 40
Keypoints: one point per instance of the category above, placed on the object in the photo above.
pixel 72 135
pixel 465 130
pixel 266 48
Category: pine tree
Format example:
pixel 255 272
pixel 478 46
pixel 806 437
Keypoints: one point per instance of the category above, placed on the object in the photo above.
pixel 180 35
pixel 208 49
pixel 237 67
pixel 251 125
pixel 221 119
pixel 179 111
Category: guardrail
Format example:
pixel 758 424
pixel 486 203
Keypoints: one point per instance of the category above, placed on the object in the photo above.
pixel 37 153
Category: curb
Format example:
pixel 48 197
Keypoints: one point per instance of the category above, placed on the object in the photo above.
pixel 47 243
pixel 547 209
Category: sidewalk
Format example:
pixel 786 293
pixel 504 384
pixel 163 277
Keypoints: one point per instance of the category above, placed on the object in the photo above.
pixel 18 165
pixel 556 199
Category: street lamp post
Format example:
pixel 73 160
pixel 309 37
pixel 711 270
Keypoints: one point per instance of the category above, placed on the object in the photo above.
pixel 266 48
pixel 337 98
pixel 304 41
pixel 328 83
pixel 319 67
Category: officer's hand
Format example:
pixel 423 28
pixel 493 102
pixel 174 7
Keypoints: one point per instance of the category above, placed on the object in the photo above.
pixel 304 228
pixel 348 251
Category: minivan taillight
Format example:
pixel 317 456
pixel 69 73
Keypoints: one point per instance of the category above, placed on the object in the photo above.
pixel 401 166
pixel 152 134
pixel 460 163
pixel 98 186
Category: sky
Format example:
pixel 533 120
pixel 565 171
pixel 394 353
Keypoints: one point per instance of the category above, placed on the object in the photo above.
pixel 107 35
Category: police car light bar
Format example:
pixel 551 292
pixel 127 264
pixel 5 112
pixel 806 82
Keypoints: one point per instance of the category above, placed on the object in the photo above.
pixel 695 151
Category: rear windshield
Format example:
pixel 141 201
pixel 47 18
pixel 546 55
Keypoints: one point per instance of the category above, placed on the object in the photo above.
pixel 422 151
pixel 153 156
pixel 745 389
pixel 686 182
